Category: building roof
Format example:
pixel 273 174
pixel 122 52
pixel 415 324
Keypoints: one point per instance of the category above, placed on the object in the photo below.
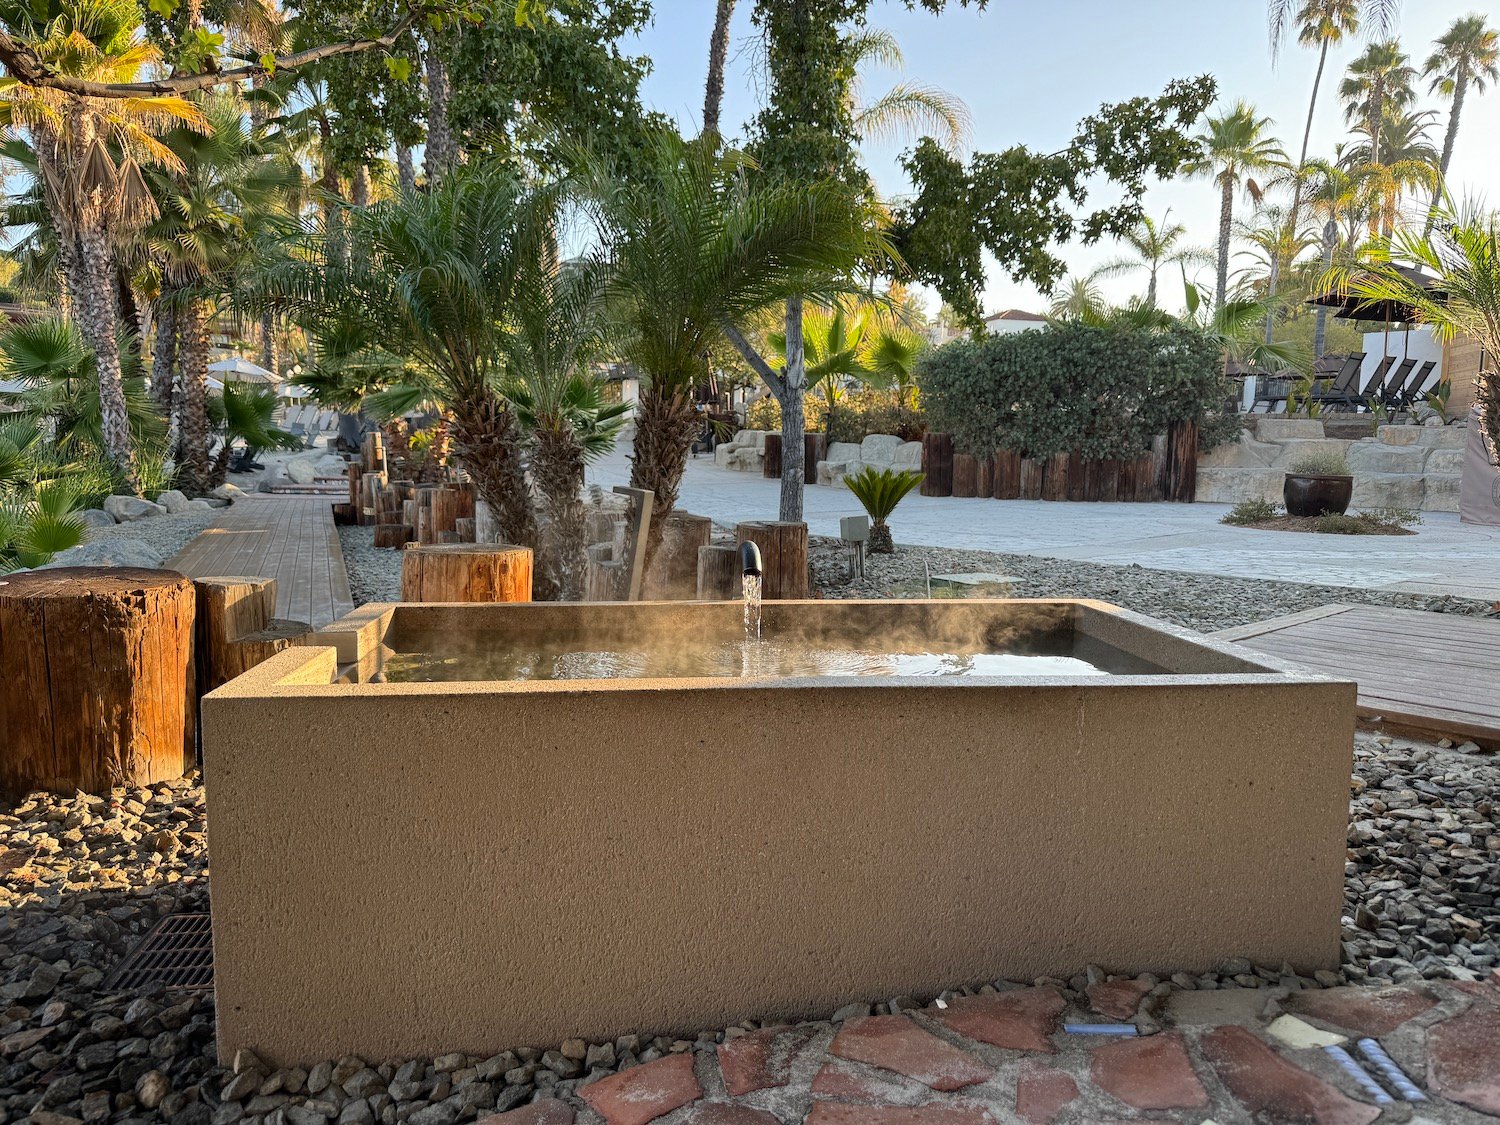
pixel 1015 314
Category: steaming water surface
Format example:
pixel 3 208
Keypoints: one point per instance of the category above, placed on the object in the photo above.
pixel 736 660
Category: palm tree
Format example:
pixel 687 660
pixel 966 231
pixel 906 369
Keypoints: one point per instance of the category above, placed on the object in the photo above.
pixel 1376 84
pixel 696 247
pixel 1235 145
pixel 90 152
pixel 834 347
pixel 1467 53
pixel 907 108
pixel 1274 247
pixel 891 358
pixel 430 278
pixel 244 412
pixel 1079 298
pixel 1155 245
pixel 1321 24
pixel 718 52
pixel 1334 196
pixel 228 195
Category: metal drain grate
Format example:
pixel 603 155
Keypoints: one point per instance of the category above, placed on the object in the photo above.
pixel 178 952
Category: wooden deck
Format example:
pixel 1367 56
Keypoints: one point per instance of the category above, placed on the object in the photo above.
pixel 289 538
pixel 1429 675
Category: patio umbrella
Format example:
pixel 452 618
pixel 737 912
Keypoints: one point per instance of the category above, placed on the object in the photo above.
pixel 294 390
pixel 1350 306
pixel 238 370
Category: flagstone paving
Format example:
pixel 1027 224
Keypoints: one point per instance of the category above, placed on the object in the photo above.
pixel 940 1065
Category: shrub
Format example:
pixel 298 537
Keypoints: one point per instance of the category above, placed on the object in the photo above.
pixel 862 413
pixel 765 414
pixel 1325 463
pixel 1105 392
pixel 1248 512
pixel 879 491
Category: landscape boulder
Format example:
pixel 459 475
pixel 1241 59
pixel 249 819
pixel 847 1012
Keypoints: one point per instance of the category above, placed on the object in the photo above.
pixel 128 508
pixel 227 492
pixel 109 552
pixel 96 517
pixel 174 501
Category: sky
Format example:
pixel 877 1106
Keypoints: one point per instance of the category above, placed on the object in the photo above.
pixel 1030 71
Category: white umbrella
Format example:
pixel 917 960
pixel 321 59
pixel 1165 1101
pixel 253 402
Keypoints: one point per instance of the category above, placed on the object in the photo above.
pixel 295 390
pixel 213 384
pixel 243 371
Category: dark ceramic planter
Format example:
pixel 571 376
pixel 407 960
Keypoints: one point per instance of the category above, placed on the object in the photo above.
pixel 1316 495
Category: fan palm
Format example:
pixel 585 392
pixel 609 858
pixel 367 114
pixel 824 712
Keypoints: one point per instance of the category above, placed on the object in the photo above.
pixel 246 413
pixel 1155 245
pixel 695 249
pixel 891 357
pixel 1335 197
pixel 430 277
pixel 1464 301
pixel 1235 146
pixel 90 152
pixel 834 346
pixel 1376 84
pixel 1468 53
pixel 878 492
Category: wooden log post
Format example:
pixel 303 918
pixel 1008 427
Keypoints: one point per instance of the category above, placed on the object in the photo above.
pixel 1007 475
pixel 464 526
pixel 392 535
pixel 1077 477
pixel 1182 461
pixel 446 507
pixel 1031 478
pixel 97 686
pixel 465 572
pixel 986 483
pixel 1055 477
pixel 937 465
pixel 783 556
pixel 236 628
pixel 719 576
pixel 770 462
pixel 1109 479
pixel 345 515
pixel 965 475
pixel 602 576
pixel 674 574
pixel 814 450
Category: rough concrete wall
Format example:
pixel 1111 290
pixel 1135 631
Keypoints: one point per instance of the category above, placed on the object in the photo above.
pixel 405 869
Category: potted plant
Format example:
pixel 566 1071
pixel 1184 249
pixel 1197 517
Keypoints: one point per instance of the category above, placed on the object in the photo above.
pixel 880 490
pixel 1318 483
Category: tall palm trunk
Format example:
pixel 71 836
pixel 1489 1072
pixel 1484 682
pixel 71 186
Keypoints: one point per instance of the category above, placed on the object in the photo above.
pixel 1460 88
pixel 557 465
pixel 359 186
pixel 442 150
pixel 664 429
pixel 1151 289
pixel 270 353
pixel 1271 281
pixel 164 355
pixel 718 51
pixel 194 467
pixel 97 312
pixel 1226 222
pixel 1320 332
pixel 406 170
pixel 1312 104
pixel 793 420
pixel 487 442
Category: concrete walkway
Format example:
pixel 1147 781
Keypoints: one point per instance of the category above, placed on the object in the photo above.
pixel 1444 557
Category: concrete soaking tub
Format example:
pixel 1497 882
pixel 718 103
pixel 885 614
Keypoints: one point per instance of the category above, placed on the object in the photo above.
pixel 431 864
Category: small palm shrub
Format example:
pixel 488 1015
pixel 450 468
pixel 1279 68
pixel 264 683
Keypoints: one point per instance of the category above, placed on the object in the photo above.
pixel 879 491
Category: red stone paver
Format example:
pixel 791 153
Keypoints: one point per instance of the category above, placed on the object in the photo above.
pixel 1463 1058
pixel 722 1113
pixel 895 1043
pixel 1022 1019
pixel 548 1111
pixel 1365 1011
pixel 1117 999
pixel 840 1080
pixel 644 1093
pixel 762 1059
pixel 1269 1085
pixel 830 1113
pixel 1042 1092
pixel 1149 1073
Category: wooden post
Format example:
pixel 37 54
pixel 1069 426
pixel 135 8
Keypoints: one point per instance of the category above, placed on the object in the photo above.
pixel 1077 480
pixel 770 462
pixel 675 572
pixel 236 628
pixel 1159 466
pixel 719 577
pixel 1109 479
pixel 815 449
pixel 937 465
pixel 1055 477
pixel 345 515
pixel 1182 462
pixel 464 526
pixel 783 556
pixel 637 527
pixel 965 475
pixel 602 576
pixel 1031 478
pixel 96 678
pixel 392 535
pixel 1007 475
pixel 465 572
pixel 986 483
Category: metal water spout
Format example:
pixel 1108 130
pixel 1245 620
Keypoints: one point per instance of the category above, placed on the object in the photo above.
pixel 750 560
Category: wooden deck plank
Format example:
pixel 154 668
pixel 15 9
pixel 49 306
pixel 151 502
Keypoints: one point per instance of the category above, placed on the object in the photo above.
pixel 289 538
pixel 1426 674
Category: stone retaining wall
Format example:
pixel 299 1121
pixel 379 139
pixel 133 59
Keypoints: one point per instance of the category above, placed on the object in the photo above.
pixel 1416 467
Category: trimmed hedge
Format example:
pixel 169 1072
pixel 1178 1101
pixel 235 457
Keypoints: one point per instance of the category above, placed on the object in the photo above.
pixel 1104 392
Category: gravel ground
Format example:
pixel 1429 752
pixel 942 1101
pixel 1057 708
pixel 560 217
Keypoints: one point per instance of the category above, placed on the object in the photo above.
pixel 164 534
pixel 374 573
pixel 83 878
pixel 1197 601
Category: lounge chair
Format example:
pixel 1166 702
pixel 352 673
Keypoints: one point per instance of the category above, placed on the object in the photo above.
pixel 1418 387
pixel 1344 390
pixel 1375 388
pixel 1399 385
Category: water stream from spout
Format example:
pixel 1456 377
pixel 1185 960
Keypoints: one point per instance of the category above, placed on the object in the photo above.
pixel 752 624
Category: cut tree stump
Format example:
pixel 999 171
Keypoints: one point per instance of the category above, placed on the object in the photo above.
pixel 395 535
pixel 783 556
pixel 1007 475
pixel 770 462
pixel 719 575
pixel 465 572
pixel 965 475
pixel 96 678
pixel 674 574
pixel 235 629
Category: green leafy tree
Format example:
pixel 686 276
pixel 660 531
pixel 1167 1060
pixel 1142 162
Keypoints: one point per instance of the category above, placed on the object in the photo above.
pixel 879 491
pixel 1236 146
